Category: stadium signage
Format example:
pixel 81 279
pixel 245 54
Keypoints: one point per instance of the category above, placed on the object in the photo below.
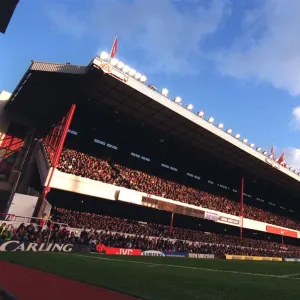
pixel 16 246
pixel 211 216
pixel 228 220
pixel 203 256
pixel 292 259
pixel 272 163
pixel 123 251
pixel 152 253
pixel 258 258
pixel 281 231
pixel 175 254
pixel 107 68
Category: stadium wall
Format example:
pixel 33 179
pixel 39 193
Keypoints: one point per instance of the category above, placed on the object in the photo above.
pixel 23 205
pixel 4 119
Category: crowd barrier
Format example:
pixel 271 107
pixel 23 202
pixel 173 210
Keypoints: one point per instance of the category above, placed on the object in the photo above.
pixel 17 246
pixel 258 258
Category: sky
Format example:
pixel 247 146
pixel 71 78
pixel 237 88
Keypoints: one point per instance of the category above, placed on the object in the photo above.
pixel 237 60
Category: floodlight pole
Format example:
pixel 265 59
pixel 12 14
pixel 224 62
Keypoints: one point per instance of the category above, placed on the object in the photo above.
pixel 171 224
pixel 57 154
pixel 242 210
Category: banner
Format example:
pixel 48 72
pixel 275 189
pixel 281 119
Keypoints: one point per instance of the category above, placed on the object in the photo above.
pixel 123 251
pixel 260 258
pixel 199 255
pixel 16 246
pixel 175 254
pixel 281 231
pixel 152 253
pixel 228 220
pixel 292 259
pixel 210 216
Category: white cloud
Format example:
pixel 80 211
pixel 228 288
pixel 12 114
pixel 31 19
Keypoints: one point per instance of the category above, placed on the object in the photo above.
pixel 268 50
pixel 166 32
pixel 295 123
pixel 292 156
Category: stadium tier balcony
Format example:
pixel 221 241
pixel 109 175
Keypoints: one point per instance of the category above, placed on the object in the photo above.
pixel 81 164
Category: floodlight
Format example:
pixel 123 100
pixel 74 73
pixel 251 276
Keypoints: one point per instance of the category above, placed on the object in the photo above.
pixel 143 78
pixel 104 55
pixel 245 141
pixel 189 107
pixel 177 100
pixel 221 125
pixel 211 120
pixel 295 171
pixel 237 136
pixel 291 168
pixel 137 76
pixel 132 72
pixel 258 149
pixel 252 145
pixel 126 69
pixel 229 131
pixel 265 152
pixel 200 113
pixel 164 92
pixel 114 61
pixel 120 65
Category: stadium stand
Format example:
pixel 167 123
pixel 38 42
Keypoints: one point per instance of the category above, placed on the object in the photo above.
pixel 107 171
pixel 88 228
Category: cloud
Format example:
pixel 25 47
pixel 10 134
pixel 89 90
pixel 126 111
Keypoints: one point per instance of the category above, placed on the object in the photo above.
pixel 166 33
pixel 268 48
pixel 292 156
pixel 295 123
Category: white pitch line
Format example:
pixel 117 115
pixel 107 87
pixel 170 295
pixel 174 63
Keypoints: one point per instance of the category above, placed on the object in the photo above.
pixel 290 275
pixel 190 268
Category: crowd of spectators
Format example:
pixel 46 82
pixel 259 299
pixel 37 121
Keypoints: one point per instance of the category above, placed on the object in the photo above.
pixel 124 233
pixel 38 234
pixel 101 169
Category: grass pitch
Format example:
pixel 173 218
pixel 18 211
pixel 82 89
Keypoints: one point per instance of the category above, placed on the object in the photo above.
pixel 162 278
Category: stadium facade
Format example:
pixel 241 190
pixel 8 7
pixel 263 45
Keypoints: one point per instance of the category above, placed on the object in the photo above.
pixel 103 110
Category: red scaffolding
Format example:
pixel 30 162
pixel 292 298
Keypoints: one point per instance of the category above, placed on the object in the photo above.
pixel 54 143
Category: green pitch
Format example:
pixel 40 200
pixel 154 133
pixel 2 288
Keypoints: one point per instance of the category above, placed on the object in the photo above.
pixel 160 278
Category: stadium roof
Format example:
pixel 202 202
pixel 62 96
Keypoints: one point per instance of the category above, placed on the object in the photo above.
pixel 47 88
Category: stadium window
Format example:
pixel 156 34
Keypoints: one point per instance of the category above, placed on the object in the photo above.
pixel 189 174
pixel 173 169
pixel 139 156
pixel 272 204
pixel 291 211
pixel 99 142
pixel 210 182
pixel 260 200
pixel 165 166
pixel 112 146
pixel 72 132
pixel 235 191
pixel 197 177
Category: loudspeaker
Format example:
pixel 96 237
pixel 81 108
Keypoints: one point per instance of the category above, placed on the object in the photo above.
pixel 7 8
